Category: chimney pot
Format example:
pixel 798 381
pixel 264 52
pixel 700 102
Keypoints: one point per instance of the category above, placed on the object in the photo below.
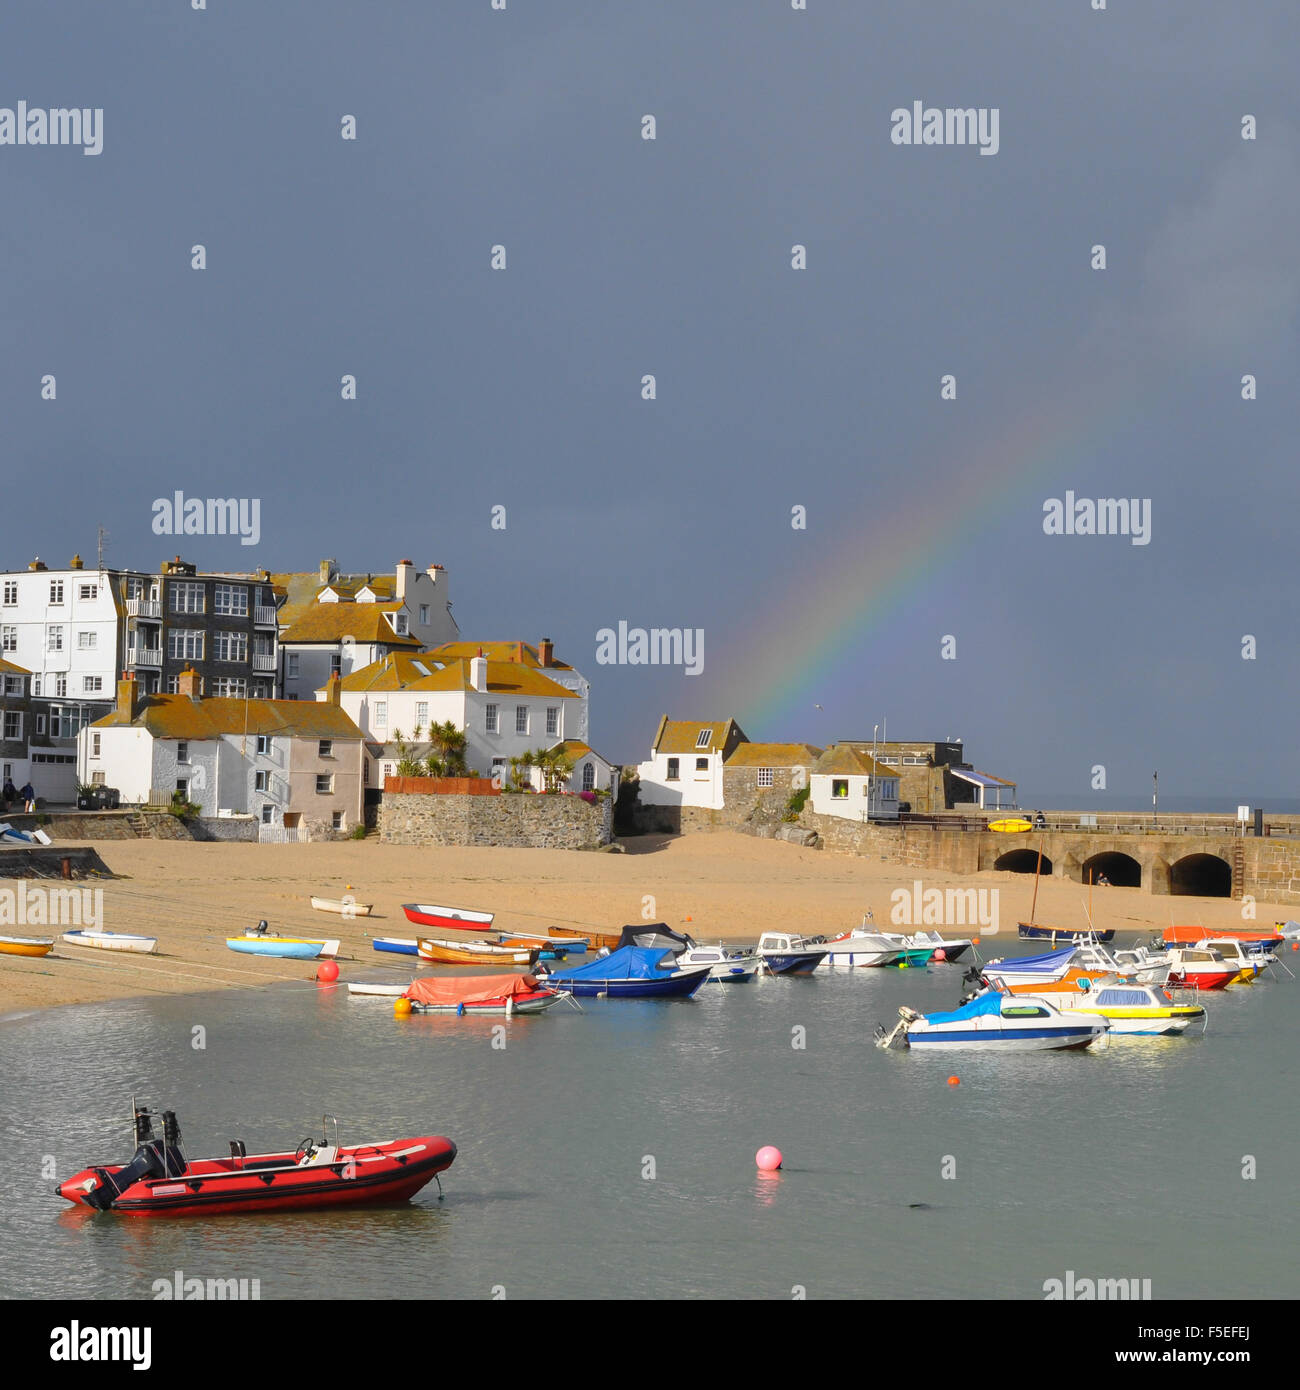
pixel 187 683
pixel 546 651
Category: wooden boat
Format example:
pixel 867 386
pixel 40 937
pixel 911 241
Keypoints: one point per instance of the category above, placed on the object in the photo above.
pixel 595 939
pixel 345 907
pixel 26 945
pixel 455 918
pixel 111 941
pixel 480 994
pixel 160 1181
pixel 255 943
pixel 534 941
pixel 472 953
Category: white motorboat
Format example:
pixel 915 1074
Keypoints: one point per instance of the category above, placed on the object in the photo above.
pixel 1250 963
pixel 784 953
pixel 728 967
pixel 953 947
pixel 860 947
pixel 1142 1010
pixel 997 1023
pixel 1030 970
pixel 1142 965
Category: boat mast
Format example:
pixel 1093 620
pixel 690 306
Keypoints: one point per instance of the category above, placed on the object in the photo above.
pixel 1033 921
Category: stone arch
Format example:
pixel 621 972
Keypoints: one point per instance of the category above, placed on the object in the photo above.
pixel 1022 861
pixel 1121 869
pixel 1202 876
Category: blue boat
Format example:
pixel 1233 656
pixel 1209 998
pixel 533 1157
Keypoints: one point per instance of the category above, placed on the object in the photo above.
pixel 285 947
pixel 1031 931
pixel 400 945
pixel 631 972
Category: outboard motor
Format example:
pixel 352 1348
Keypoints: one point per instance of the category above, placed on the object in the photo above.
pixel 152 1159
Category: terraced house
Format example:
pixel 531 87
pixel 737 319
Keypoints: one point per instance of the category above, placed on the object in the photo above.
pixel 15 722
pixel 295 765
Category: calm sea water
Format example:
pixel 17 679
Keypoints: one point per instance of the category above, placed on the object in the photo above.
pixel 1126 1163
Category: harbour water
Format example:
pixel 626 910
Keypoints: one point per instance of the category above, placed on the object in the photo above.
pixel 610 1153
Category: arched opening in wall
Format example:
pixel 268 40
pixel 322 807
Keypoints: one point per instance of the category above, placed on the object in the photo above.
pixel 1119 870
pixel 1022 861
pixel 1201 876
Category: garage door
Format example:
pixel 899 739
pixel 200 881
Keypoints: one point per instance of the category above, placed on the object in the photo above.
pixel 54 777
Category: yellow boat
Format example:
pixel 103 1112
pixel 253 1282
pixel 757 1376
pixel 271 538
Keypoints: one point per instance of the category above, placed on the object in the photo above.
pixel 26 945
pixel 1146 1010
pixel 1014 825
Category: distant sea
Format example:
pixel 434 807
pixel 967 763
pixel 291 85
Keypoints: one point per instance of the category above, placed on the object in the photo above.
pixel 1117 801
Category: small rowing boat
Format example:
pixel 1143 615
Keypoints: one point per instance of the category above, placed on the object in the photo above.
pixel 455 918
pixel 1036 931
pixel 480 994
pixel 534 941
pixel 345 907
pixel 111 941
pixel 595 939
pixel 398 945
pixel 368 987
pixel 1030 970
pixel 26 945
pixel 160 1181
pixel 472 953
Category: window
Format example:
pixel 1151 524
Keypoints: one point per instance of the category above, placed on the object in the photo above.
pixel 185 644
pixel 336 664
pixel 229 687
pixel 291 664
pixel 60 685
pixel 381 714
pixel 839 787
pixel 424 614
pixel 262 691
pixel 264 745
pixel 701 764
pixel 912 761
pixel 182 751
pixel 87 641
pixel 66 721
pixel 764 776
pixel 187 598
pixel 521 719
pixel 261 781
pixel 230 599
pixel 336 820
pixel 13 724
pixel 400 624
pixel 703 737
pixel 498 764
pixel 326 748
pixel 230 646
pixel 490 718
pixel 674 765
pixel 552 721
pixel 40 723
pixel 8 639
pixel 54 639
pixel 422 714
pixel 324 783
pixel 89 592
pixel 92 685
pixel 365 772
pixel 56 591
pixel 183 786
pixel 98 779
pixel 267 813
pixel 11 592
pixel 13 685
pixel 588 777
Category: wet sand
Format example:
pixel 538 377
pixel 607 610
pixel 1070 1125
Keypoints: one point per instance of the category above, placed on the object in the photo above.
pixel 723 886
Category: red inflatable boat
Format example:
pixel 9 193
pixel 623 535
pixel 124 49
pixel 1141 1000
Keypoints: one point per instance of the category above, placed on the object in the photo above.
pixel 160 1181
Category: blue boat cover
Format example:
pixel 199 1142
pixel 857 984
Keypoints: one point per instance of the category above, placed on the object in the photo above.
pixel 1047 961
pixel 627 963
pixel 989 1002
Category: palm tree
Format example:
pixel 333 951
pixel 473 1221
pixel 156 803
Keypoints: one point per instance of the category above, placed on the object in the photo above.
pixel 450 744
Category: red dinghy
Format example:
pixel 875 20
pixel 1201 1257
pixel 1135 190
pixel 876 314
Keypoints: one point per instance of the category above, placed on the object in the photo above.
pixel 160 1181
pixel 458 918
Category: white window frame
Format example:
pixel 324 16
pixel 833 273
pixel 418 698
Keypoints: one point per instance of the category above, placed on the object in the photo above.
pixel 328 779
pixel 185 644
pixel 54 638
pixel 16 715
pixel 552 721
pixel 56 593
pixel 765 777
pixel 193 597
pixel 92 685
pixel 521 718
pixel 88 592
pixel 8 638
pixel 291 664
pixel 11 593
pixel 87 639
pixel 492 718
pixel 227 598
pixel 226 640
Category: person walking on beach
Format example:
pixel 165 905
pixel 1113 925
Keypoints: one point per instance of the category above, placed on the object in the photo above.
pixel 28 795
pixel 10 792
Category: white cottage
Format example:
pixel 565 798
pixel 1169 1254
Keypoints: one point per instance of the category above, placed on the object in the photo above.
pixel 686 761
pixel 847 782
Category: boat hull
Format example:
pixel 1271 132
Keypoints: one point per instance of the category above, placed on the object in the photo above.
pixel 112 941
pixel 342 907
pixel 359 1175
pixel 447 918
pixel 594 939
pixel 1040 1040
pixel 452 953
pixel 26 945
pixel 793 962
pixel 282 947
pixel 1031 931
pixel 671 986
pixel 397 945
pixel 533 1003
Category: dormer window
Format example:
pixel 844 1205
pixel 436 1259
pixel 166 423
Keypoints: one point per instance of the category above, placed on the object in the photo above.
pixel 400 624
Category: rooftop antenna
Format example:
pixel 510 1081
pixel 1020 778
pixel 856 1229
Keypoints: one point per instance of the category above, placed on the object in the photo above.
pixel 102 536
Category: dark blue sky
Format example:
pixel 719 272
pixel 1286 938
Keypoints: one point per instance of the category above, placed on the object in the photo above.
pixel 775 387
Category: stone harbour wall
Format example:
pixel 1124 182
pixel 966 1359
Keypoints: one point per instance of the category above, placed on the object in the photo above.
pixel 516 820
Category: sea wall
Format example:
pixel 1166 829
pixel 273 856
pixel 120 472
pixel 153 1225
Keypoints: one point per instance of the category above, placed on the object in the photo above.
pixel 516 820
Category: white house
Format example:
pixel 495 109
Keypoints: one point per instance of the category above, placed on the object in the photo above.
pixel 297 766
pixel 15 723
pixel 846 782
pixel 505 709
pixel 686 762
pixel 337 623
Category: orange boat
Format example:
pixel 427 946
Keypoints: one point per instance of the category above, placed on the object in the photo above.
pixel 26 945
pixel 597 938
pixel 472 953
pixel 1069 983
pixel 1193 936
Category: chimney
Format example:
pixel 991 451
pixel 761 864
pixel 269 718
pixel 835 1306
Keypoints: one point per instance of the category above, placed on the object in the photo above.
pixel 187 683
pixel 546 651
pixel 128 702
pixel 327 570
pixel 76 563
pixel 519 652
pixel 478 671
pixel 405 573
pixel 333 689
pixel 37 564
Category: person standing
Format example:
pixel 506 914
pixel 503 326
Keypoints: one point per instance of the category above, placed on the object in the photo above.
pixel 28 795
pixel 9 793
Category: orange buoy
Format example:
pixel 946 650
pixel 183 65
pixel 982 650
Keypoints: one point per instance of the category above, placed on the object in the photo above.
pixel 954 1081
pixel 401 1006
pixel 327 972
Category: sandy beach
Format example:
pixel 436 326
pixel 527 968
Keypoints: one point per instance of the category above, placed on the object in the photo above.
pixel 723 886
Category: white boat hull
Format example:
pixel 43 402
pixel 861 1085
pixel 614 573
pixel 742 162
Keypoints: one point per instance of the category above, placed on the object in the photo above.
pixel 342 907
pixel 111 941
pixel 362 987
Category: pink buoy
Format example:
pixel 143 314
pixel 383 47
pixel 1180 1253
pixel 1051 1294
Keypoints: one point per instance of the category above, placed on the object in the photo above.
pixel 941 954
pixel 327 972
pixel 768 1158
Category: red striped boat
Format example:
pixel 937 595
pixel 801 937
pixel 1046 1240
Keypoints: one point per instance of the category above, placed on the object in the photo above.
pixel 457 918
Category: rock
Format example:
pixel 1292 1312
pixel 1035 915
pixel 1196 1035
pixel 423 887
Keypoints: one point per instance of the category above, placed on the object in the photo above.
pixel 797 835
